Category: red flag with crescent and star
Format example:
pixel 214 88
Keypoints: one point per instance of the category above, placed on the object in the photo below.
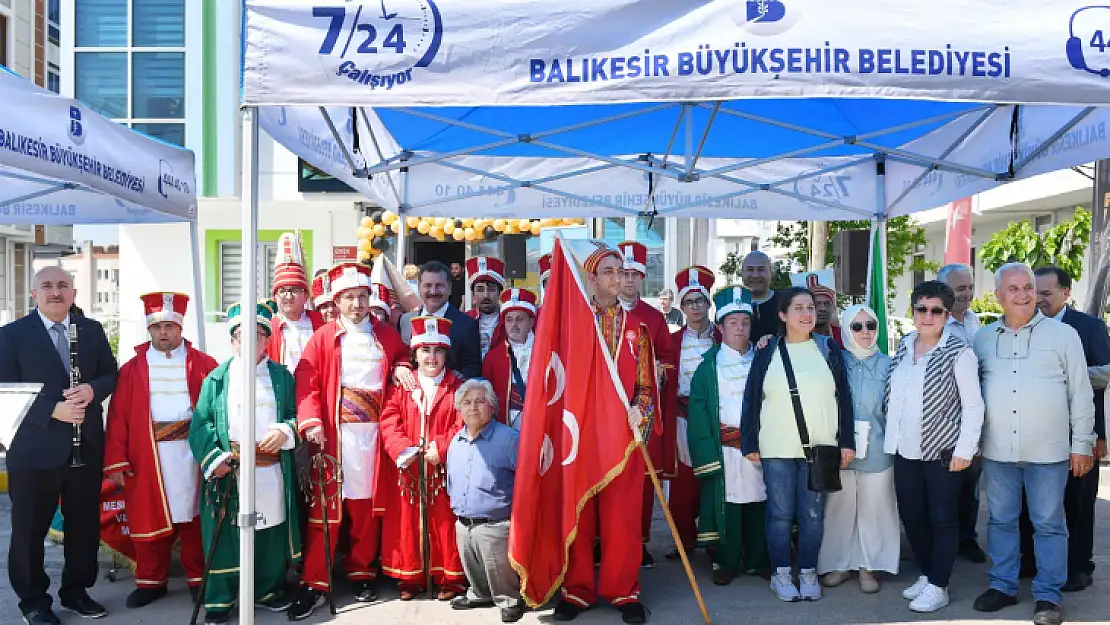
pixel 575 437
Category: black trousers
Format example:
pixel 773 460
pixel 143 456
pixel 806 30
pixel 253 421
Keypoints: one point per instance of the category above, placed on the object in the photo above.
pixel 969 501
pixel 928 497
pixel 34 495
pixel 1080 497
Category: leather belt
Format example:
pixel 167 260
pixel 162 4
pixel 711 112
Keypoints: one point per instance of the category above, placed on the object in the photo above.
pixel 167 431
pixel 730 437
pixel 471 522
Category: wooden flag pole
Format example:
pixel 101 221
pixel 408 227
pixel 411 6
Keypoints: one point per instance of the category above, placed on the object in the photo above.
pixel 674 530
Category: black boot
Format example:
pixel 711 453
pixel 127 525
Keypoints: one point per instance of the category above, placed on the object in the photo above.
pixel 145 596
pixel 306 603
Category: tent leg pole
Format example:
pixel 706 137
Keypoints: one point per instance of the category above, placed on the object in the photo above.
pixel 399 253
pixel 876 256
pixel 198 287
pixel 248 340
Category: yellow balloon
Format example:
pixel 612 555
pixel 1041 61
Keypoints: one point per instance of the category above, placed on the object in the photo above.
pixel 468 222
pixel 395 226
pixel 363 255
pixel 536 227
pixel 364 244
pixel 412 222
pixel 469 233
pixel 378 230
pixel 449 227
pixel 423 227
pixel 458 234
pixel 524 224
pixel 367 222
pixel 361 233
pixel 389 217
pixel 510 228
pixel 439 221
pixel 440 237
pixel 547 223
pixel 499 225
pixel 436 232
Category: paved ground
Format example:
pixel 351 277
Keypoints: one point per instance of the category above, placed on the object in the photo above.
pixel 666 593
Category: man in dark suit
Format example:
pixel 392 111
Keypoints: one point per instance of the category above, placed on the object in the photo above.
pixel 435 290
pixel 36 349
pixel 1081 493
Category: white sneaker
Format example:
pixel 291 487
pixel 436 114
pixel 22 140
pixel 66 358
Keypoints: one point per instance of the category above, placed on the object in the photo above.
pixel 808 584
pixel 912 592
pixel 783 585
pixel 931 599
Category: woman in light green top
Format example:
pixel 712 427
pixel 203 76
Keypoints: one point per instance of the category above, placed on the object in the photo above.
pixel 769 433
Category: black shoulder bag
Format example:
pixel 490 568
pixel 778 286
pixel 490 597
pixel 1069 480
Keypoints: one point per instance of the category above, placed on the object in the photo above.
pixel 824 460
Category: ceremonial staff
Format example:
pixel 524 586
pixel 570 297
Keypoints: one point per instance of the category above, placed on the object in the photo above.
pixel 425 535
pixel 322 462
pixel 74 381
pixel 223 496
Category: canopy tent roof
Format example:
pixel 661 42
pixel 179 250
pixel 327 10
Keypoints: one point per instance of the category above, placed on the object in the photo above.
pixel 63 163
pixel 766 109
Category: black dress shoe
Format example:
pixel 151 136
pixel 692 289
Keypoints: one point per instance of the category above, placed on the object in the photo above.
pixel 462 602
pixel 722 576
pixel 512 615
pixel 1047 613
pixel 40 617
pixel 364 591
pixel 566 611
pixel 216 617
pixel 145 596
pixel 647 561
pixel 1077 581
pixel 84 607
pixel 973 552
pixel 993 600
pixel 633 612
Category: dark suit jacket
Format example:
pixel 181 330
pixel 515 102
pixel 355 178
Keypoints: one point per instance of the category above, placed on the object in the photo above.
pixel 27 354
pixel 1096 347
pixel 466 345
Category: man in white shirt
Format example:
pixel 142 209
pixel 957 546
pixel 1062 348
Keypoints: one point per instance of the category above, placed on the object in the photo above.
pixel 963 323
pixel 485 276
pixel 294 323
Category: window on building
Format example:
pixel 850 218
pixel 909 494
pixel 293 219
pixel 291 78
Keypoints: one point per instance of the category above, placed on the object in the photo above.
pixel 158 85
pixel 53 35
pixel 1042 223
pixel 4 40
pixel 54 11
pixel 53 78
pixel 100 24
pixel 314 180
pixel 100 80
pixel 170 133
pixel 231 274
pixel 19 279
pixel 163 23
pixel 115 276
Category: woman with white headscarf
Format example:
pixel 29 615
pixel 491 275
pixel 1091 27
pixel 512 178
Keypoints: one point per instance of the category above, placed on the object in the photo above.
pixel 861 521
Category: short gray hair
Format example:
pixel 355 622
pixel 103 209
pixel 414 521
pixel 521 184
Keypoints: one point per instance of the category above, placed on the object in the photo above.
pixel 1007 268
pixel 666 293
pixel 947 271
pixel 477 384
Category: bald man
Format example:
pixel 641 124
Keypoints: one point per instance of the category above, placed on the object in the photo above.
pixel 36 348
pixel 757 272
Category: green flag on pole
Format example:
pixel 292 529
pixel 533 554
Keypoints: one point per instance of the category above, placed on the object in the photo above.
pixel 877 285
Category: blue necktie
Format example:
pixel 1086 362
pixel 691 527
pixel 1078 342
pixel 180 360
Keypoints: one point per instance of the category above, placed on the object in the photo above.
pixel 61 343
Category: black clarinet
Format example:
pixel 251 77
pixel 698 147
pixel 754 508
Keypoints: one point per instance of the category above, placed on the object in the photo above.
pixel 74 381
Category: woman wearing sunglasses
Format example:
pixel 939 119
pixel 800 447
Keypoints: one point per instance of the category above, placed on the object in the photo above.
pixel 934 411
pixel 861 521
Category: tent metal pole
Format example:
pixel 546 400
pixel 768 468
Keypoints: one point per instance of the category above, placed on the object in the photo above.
pixel 339 142
pixel 378 150
pixel 1047 143
pixel 248 340
pixel 399 257
pixel 198 287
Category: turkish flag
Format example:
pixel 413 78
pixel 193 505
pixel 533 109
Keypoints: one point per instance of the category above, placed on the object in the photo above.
pixel 957 239
pixel 575 437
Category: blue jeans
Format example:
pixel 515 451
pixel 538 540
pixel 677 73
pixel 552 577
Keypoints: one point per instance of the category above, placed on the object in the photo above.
pixel 1044 488
pixel 789 497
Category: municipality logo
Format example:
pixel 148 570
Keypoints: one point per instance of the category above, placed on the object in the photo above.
pixel 378 44
pixel 765 18
pixel 76 126
pixel 763 11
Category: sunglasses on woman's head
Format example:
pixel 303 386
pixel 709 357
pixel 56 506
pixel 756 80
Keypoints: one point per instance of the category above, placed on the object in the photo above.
pixel 936 311
pixel 870 325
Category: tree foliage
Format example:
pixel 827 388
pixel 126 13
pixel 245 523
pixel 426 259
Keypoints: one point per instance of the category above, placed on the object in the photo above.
pixel 1064 245
pixel 903 236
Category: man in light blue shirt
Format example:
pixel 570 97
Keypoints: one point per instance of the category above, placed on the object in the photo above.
pixel 481 471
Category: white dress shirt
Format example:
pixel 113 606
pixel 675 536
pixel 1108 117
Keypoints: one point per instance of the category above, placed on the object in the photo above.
pixel 743 478
pixel 169 401
pixel 965 329
pixel 294 335
pixel 523 354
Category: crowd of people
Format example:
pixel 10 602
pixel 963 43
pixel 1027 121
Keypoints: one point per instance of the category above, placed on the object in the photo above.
pixel 387 438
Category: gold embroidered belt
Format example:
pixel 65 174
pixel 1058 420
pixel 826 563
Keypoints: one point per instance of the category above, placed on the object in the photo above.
pixel 166 431
pixel 730 437
pixel 360 406
pixel 261 458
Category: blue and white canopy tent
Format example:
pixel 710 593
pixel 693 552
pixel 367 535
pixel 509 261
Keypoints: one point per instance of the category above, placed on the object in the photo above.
pixel 61 163
pixel 767 109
